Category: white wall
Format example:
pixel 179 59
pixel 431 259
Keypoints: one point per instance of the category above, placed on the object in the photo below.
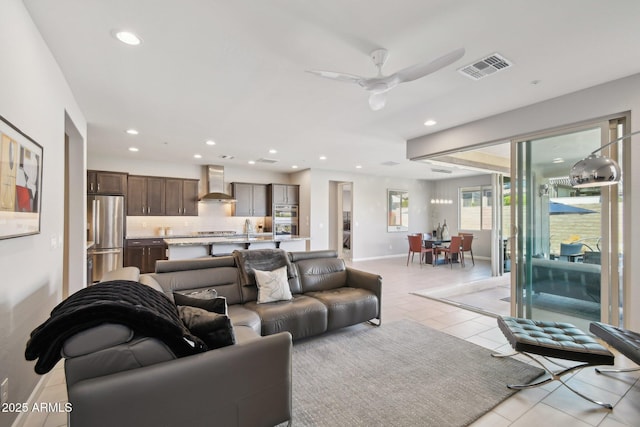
pixel 602 101
pixel 34 97
pixel 371 239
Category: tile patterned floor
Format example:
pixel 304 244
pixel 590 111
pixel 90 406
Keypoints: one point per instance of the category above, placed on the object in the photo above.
pixel 549 405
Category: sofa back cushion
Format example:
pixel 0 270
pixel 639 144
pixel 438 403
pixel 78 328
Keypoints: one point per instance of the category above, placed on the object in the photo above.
pixel 219 273
pixel 263 260
pixel 109 348
pixel 321 274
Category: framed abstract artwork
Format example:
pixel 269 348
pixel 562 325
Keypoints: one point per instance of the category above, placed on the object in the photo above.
pixel 20 182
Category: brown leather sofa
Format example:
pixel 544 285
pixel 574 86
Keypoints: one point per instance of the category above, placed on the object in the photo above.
pixel 115 377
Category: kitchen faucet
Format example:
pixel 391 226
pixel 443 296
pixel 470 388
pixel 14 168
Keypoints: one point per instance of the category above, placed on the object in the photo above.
pixel 247 227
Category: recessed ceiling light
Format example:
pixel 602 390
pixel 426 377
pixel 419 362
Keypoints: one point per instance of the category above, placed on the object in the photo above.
pixel 294 167
pixel 197 156
pixel 358 166
pixel 252 162
pixel 557 160
pixel 132 132
pixel 127 37
pixel 273 151
pixel 430 122
pixel 323 157
pixel 134 149
pixel 210 142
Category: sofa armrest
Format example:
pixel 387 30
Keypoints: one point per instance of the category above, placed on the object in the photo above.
pixel 148 280
pixel 369 281
pixel 246 384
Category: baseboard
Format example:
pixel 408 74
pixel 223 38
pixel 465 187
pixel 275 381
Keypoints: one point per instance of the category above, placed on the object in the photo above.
pixel 379 257
pixel 33 398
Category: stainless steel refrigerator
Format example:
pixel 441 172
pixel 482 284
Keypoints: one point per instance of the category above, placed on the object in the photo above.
pixel 105 228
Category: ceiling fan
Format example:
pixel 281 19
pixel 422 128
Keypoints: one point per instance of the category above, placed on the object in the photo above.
pixel 378 86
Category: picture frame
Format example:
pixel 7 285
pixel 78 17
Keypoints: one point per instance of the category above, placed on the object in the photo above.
pixel 397 210
pixel 20 182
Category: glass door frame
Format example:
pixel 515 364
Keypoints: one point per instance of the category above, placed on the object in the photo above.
pixel 522 244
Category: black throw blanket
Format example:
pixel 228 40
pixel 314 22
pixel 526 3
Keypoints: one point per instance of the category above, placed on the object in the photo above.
pixel 140 307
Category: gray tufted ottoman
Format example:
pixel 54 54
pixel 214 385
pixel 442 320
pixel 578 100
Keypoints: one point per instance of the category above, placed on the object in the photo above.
pixel 557 340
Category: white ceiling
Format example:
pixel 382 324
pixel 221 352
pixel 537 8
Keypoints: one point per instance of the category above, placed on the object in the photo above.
pixel 234 72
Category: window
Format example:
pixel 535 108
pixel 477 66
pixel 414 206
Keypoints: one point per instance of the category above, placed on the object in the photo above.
pixel 475 208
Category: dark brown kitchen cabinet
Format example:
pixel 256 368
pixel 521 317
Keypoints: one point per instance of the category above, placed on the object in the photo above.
pixel 251 199
pixel 143 253
pixel 102 182
pixel 145 195
pixel 181 197
pixel 284 194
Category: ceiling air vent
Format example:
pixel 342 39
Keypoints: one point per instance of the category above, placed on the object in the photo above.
pixel 441 170
pixel 269 161
pixel 390 163
pixel 485 67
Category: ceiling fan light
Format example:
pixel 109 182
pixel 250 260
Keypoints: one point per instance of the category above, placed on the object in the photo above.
pixel 377 101
pixel 594 171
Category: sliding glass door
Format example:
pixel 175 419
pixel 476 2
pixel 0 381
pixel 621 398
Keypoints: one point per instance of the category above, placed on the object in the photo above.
pixel 563 239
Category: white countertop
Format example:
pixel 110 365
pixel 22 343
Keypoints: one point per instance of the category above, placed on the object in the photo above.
pixel 238 239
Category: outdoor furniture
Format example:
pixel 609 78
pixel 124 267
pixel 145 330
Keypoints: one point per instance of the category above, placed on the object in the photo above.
pixel 467 239
pixel 571 252
pixel 416 246
pixel 557 340
pixel 625 341
pixel 454 248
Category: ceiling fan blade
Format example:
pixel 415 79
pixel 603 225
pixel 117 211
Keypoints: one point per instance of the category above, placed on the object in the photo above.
pixel 420 70
pixel 333 75
pixel 377 101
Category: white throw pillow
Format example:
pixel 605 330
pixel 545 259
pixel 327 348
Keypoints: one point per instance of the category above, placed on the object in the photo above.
pixel 273 285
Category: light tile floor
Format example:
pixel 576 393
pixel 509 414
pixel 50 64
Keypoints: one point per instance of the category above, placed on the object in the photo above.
pixel 549 405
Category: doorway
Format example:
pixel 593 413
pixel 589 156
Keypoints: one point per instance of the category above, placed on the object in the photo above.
pixel 341 222
pixel 565 239
pixel 74 239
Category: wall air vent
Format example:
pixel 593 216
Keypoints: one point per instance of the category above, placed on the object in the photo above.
pixel 269 161
pixel 441 170
pixel 390 163
pixel 485 67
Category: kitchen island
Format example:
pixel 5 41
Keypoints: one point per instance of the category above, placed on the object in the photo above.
pixel 196 247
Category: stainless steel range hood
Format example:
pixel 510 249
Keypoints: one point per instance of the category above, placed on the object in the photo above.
pixel 215 184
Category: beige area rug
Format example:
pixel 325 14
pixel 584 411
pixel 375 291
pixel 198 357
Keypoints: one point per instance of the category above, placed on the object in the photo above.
pixel 400 374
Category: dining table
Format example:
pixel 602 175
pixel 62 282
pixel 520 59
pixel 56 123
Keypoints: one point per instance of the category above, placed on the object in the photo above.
pixel 434 243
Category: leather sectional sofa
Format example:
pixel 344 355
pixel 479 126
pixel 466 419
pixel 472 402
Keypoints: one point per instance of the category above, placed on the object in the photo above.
pixel 115 377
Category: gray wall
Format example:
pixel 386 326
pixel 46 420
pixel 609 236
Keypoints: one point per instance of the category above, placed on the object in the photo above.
pixel 34 97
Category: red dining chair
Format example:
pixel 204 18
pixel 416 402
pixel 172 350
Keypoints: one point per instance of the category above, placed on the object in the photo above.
pixel 467 239
pixel 455 247
pixel 416 246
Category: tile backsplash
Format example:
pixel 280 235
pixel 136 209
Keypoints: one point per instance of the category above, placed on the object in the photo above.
pixel 211 217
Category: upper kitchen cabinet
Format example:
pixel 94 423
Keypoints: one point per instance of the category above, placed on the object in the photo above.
pixel 145 195
pixel 284 194
pixel 101 182
pixel 181 197
pixel 251 199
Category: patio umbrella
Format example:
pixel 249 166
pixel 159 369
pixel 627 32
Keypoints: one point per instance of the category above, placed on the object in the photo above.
pixel 556 208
